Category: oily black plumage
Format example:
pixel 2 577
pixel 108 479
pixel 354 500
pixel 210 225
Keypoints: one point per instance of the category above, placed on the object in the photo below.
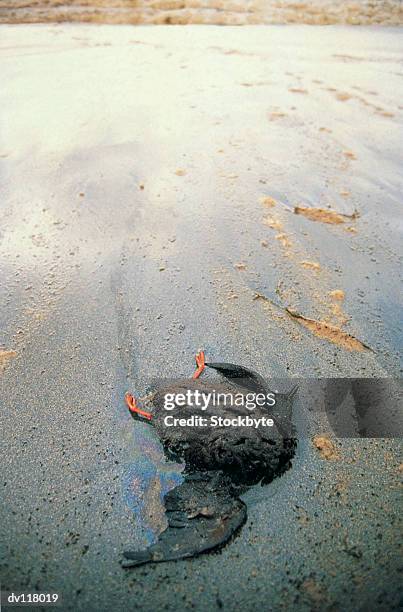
pixel 202 515
pixel 221 463
pixel 241 376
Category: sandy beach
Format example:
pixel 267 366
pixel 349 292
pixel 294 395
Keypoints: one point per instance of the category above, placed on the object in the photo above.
pixel 165 189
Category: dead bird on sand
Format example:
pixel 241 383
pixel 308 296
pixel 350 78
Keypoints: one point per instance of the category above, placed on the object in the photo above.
pixel 222 461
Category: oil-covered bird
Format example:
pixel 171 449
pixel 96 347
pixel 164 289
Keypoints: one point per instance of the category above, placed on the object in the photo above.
pixel 221 461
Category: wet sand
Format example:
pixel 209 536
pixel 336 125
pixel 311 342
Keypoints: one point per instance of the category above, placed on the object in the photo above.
pixel 217 12
pixel 139 167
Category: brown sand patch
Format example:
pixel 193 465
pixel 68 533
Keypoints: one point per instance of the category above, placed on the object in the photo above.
pixel 284 240
pixel 343 96
pixel 338 315
pixel 349 155
pixel 268 201
pixel 337 294
pixel 5 357
pixel 323 215
pixel 180 172
pixel 326 447
pixel 384 113
pixel 329 332
pixel 273 223
pixel 310 265
pixel 298 90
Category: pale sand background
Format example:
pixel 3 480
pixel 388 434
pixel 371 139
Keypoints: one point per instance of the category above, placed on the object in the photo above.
pixel 232 12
